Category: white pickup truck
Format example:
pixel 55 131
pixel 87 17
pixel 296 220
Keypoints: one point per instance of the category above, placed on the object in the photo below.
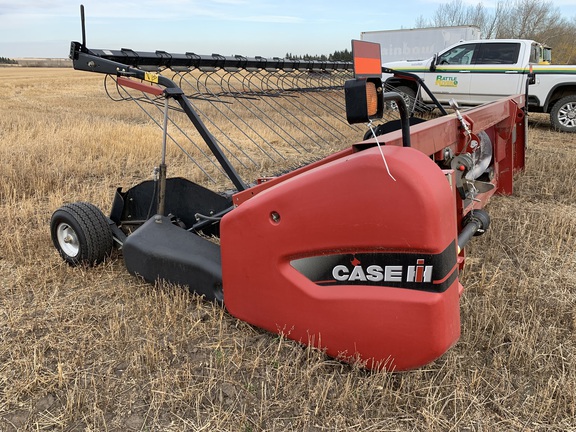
pixel 479 71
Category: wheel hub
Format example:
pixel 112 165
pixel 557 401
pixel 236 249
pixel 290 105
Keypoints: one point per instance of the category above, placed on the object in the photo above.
pixel 567 115
pixel 68 239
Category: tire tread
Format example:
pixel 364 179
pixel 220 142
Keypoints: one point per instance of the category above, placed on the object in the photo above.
pixel 96 236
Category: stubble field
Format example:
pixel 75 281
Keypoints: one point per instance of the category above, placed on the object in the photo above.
pixel 95 349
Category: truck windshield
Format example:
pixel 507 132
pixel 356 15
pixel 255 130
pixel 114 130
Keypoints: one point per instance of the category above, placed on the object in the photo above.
pixel 458 55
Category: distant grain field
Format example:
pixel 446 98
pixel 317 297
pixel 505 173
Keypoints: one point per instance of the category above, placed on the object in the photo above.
pixel 95 349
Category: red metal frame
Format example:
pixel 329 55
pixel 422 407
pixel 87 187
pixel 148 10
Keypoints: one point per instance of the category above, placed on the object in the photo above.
pixel 346 219
pixel 504 121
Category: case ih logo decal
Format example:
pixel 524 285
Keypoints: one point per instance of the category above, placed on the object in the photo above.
pixel 375 273
pixel 425 272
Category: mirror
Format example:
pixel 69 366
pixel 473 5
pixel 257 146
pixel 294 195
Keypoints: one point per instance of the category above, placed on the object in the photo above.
pixel 433 64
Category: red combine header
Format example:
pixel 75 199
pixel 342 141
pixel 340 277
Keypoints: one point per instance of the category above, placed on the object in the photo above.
pixel 357 253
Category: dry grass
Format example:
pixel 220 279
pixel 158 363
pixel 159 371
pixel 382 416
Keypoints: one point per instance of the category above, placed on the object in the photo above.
pixel 98 350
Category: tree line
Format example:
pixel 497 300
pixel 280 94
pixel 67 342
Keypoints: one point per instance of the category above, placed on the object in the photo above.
pixel 6 60
pixel 519 19
pixel 345 55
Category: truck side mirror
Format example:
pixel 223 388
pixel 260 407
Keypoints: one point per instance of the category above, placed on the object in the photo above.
pixel 433 64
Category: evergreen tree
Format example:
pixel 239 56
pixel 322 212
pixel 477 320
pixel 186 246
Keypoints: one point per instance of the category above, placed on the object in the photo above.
pixel 345 55
pixel 6 60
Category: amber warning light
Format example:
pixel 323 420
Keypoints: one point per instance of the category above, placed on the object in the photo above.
pixel 364 93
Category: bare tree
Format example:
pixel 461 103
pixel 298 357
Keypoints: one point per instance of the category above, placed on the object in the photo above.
pixel 457 13
pixel 520 19
pixel 525 19
pixel 560 37
pixel 543 22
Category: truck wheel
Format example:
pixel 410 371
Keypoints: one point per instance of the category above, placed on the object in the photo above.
pixel 409 96
pixel 563 114
pixel 81 234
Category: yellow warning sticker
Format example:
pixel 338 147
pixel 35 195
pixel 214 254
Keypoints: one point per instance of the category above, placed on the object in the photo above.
pixel 151 77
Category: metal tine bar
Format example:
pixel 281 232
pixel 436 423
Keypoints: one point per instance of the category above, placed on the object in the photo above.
pixel 212 101
pixel 319 85
pixel 267 82
pixel 273 97
pixel 245 105
pixel 217 97
pixel 336 108
pixel 282 95
pixel 145 99
pixel 191 60
pixel 249 100
pixel 209 120
pixel 265 96
pixel 208 157
pixel 148 99
pixel 329 97
pixel 303 108
pixel 295 84
pixel 262 98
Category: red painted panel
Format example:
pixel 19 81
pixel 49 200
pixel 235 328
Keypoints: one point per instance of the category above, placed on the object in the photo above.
pixel 349 205
pixel 143 87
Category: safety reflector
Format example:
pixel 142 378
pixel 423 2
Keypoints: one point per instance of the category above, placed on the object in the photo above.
pixel 367 59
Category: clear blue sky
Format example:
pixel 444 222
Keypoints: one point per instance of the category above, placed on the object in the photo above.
pixel 44 28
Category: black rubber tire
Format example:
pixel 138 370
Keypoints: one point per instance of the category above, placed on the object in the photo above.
pixel 407 93
pixel 81 234
pixel 390 126
pixel 563 114
pixel 409 96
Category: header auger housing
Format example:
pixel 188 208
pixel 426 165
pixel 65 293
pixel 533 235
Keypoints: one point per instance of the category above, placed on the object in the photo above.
pixel 357 250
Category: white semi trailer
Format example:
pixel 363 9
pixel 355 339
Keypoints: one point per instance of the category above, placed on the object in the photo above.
pixel 418 43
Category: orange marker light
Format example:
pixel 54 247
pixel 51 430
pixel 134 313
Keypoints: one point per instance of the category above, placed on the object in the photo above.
pixel 371 99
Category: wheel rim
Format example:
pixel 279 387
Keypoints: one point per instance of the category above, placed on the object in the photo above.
pixel 68 240
pixel 567 115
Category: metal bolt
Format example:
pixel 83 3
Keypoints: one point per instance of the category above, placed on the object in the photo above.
pixel 275 217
